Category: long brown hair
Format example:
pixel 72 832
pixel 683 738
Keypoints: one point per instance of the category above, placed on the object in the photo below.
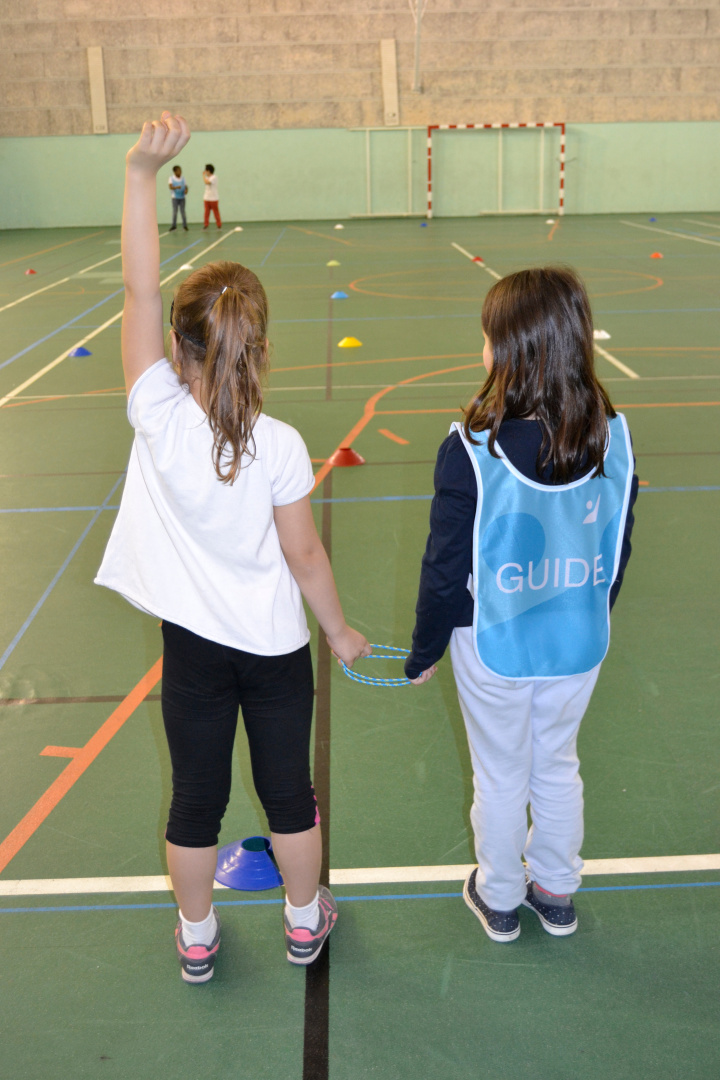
pixel 539 325
pixel 220 315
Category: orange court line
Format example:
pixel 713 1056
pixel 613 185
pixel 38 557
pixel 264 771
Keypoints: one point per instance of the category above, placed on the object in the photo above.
pixel 392 436
pixel 82 759
pixel 552 231
pixel 310 232
pixel 633 405
pixel 409 412
pixel 369 412
pixel 44 251
pixel 384 360
pixel 667 404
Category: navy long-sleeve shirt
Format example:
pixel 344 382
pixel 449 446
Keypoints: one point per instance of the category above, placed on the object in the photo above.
pixel 444 600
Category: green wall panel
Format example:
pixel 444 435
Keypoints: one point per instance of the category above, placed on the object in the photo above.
pixel 322 173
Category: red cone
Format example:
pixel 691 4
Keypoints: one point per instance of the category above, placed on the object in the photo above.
pixel 30 272
pixel 477 259
pixel 656 255
pixel 346 456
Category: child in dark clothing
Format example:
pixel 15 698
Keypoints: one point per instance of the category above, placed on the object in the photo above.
pixel 530 536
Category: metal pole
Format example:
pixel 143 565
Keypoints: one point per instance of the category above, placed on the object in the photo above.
pixel 418 12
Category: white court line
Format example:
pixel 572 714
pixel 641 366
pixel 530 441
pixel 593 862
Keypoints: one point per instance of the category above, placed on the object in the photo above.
pixel 98 330
pixel 368 875
pixel 613 360
pixel 603 352
pixel 28 296
pixel 707 224
pixel 482 265
pixel 677 235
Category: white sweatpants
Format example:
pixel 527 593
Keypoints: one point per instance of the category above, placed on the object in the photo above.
pixel 523 737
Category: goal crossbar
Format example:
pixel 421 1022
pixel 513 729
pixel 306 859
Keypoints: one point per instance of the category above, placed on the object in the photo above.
pixel 497 127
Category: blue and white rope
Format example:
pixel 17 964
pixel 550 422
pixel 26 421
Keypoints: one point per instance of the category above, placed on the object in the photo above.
pixel 389 652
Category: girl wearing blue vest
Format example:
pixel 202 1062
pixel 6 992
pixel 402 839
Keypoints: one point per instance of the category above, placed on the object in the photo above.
pixel 530 536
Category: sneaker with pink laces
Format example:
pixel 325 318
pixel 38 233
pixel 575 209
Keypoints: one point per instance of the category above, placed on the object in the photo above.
pixel 304 945
pixel 197 961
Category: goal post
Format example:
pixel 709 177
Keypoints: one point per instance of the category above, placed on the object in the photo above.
pixel 558 208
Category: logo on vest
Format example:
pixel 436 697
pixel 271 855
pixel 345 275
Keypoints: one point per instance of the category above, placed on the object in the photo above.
pixel 572 572
pixel 592 516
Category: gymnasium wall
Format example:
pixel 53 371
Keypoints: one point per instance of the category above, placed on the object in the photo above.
pixel 322 173
pixel 266 64
pixel 273 89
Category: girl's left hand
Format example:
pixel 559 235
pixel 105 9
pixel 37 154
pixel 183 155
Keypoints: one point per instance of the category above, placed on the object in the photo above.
pixel 425 677
pixel 159 142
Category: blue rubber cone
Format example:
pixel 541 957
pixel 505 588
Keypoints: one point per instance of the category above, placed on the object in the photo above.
pixel 247 865
pixel 653 219
pixel 423 224
pixel 80 352
pixel 339 295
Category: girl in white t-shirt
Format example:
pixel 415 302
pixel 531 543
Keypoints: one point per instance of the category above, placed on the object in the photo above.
pixel 216 537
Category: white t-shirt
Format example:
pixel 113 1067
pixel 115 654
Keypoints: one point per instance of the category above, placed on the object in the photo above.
pixel 186 547
pixel 211 194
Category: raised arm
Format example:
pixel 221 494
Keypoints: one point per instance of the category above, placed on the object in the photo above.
pixel 310 567
pixel 142 324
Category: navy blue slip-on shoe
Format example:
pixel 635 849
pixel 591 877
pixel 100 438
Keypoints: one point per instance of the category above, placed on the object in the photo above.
pixel 557 920
pixel 498 925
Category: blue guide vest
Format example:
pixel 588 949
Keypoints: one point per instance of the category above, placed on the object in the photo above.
pixel 544 558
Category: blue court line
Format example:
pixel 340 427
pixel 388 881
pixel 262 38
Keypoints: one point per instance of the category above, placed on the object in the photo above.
pixel 269 253
pixel 340 899
pixel 351 499
pixel 471 315
pixel 16 640
pixel 82 314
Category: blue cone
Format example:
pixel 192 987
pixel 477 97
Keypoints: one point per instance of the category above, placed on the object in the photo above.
pixel 80 352
pixel 653 219
pixel 247 865
pixel 423 224
pixel 339 295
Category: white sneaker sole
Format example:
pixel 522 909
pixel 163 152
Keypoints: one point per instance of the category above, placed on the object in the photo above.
pixel 551 928
pixel 492 934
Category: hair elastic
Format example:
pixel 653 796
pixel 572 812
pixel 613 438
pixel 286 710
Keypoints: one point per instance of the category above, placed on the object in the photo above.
pixel 188 337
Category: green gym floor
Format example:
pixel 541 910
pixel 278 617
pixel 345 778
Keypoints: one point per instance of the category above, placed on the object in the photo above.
pixel 413 988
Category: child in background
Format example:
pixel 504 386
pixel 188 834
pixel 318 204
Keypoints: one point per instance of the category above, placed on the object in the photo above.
pixel 179 190
pixel 216 537
pixel 211 196
pixel 530 536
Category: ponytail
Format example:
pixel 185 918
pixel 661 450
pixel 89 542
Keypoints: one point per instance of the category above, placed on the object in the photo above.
pixel 220 315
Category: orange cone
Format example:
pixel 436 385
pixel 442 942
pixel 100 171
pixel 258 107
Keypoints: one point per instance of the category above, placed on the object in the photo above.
pixel 656 255
pixel 346 456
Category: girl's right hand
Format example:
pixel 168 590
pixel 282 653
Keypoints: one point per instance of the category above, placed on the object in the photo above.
pixel 348 645
pixel 425 676
pixel 159 142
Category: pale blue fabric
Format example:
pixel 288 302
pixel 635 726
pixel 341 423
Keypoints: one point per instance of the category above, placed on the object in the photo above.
pixel 544 560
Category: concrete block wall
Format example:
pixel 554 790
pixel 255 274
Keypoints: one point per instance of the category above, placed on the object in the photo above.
pixel 264 64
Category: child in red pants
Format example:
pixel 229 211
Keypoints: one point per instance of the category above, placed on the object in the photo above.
pixel 211 196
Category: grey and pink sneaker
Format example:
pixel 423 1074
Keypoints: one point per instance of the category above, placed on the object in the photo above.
pixel 304 945
pixel 197 961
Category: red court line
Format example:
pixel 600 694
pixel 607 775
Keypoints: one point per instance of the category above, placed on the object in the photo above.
pixel 81 760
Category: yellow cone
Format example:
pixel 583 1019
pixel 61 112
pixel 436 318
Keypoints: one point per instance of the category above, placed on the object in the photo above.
pixel 349 343
pixel 333 262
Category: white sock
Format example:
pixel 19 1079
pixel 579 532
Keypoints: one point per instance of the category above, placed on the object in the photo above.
pixel 308 916
pixel 199 933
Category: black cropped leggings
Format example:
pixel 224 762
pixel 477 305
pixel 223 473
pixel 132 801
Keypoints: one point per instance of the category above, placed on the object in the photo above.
pixel 204 685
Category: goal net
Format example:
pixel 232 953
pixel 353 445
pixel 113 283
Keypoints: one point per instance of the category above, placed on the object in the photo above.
pixel 495 169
